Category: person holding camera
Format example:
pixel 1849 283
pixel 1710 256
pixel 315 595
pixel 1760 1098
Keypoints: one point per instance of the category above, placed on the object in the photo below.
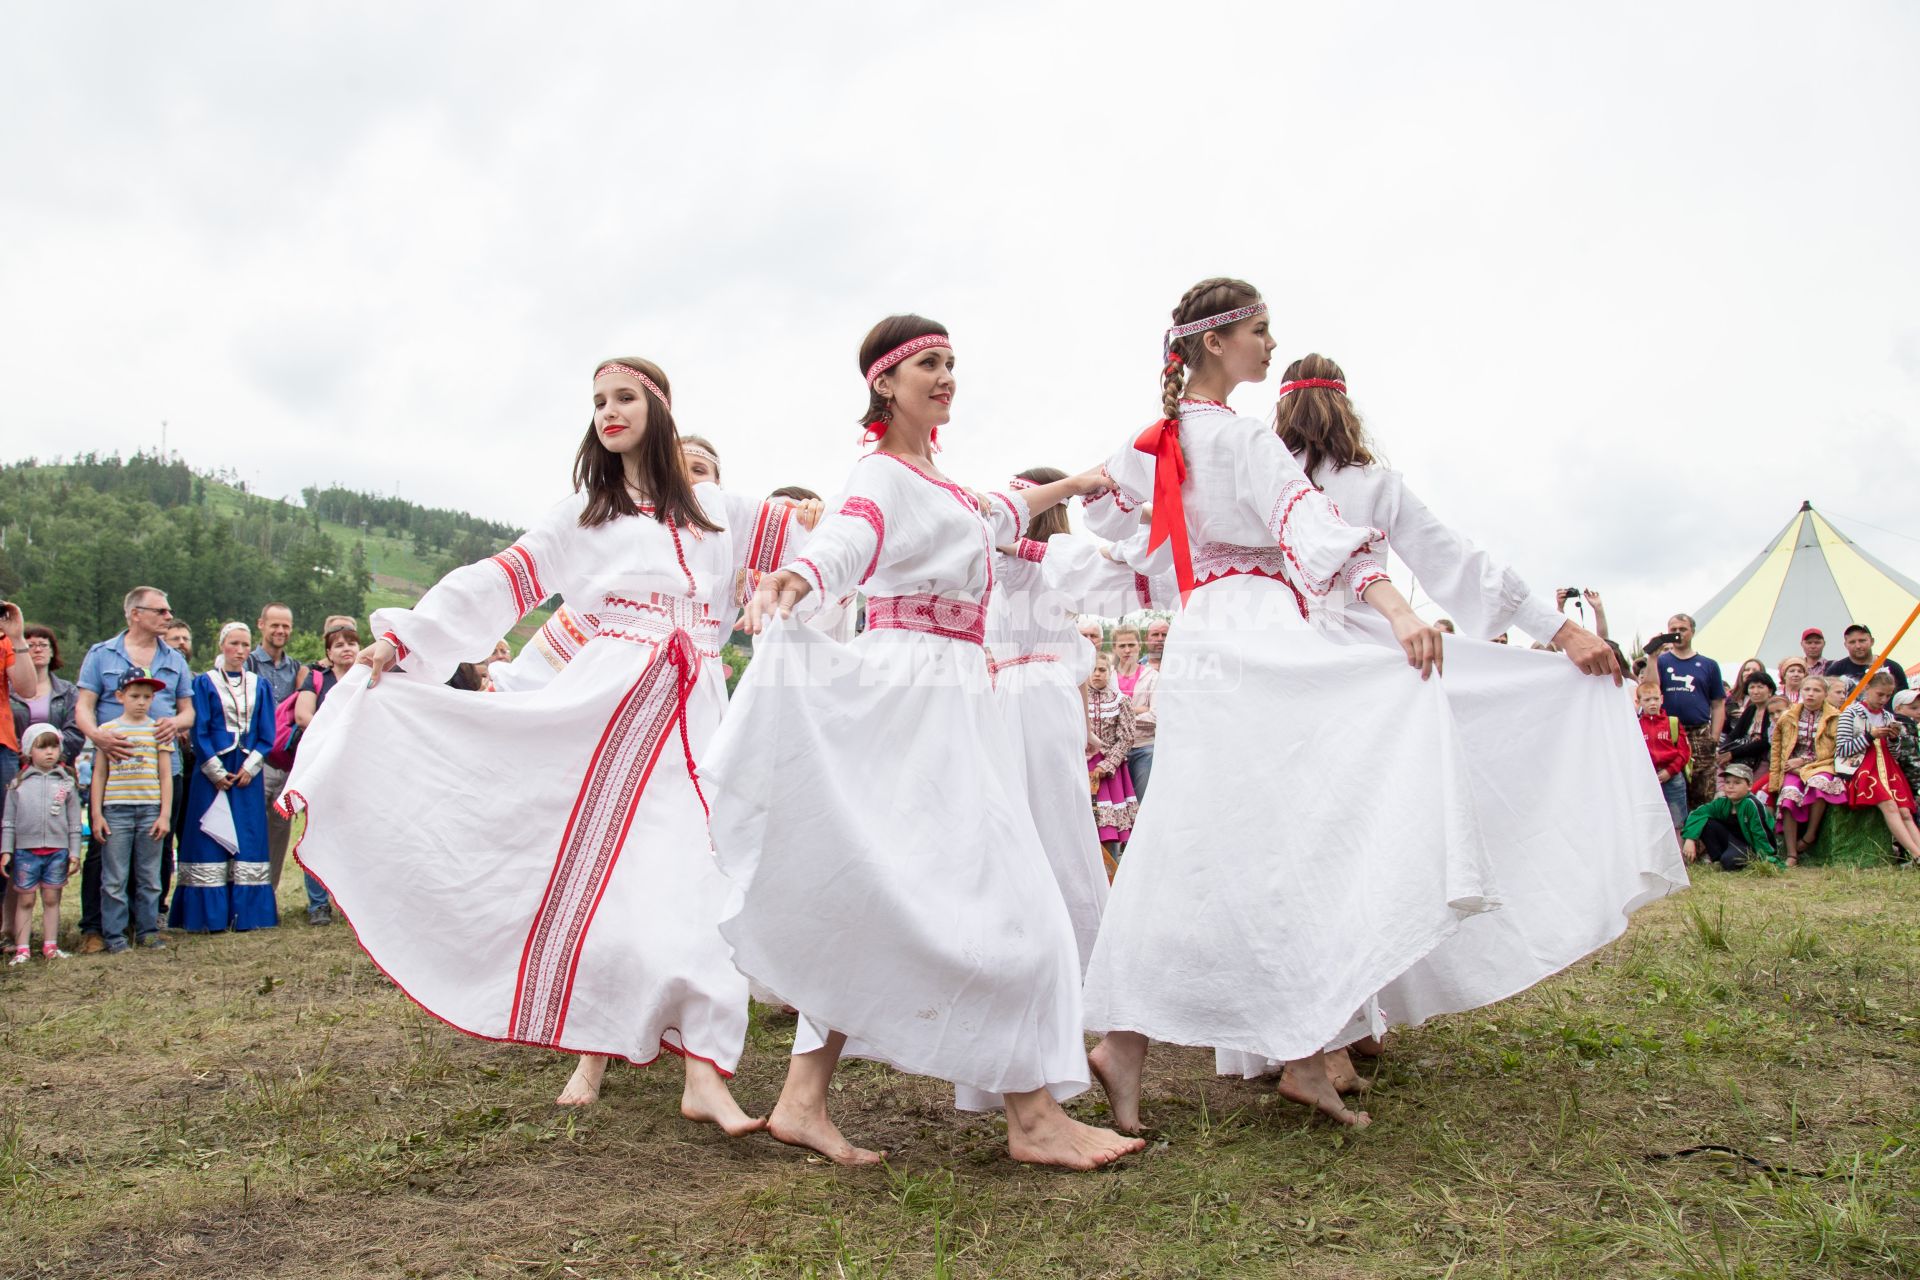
pixel 1692 689
pixel 1588 597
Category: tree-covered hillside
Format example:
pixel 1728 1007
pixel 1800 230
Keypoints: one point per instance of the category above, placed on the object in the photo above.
pixel 76 534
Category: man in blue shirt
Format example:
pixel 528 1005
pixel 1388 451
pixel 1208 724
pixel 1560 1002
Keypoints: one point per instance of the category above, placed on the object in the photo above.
pixel 98 705
pixel 1694 694
pixel 286 673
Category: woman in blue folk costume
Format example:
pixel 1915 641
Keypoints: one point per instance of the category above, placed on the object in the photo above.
pixel 218 886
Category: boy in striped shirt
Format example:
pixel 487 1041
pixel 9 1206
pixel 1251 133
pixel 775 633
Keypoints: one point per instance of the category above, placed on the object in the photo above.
pixel 132 805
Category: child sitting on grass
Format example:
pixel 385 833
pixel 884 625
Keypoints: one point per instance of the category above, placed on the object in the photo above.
pixel 1667 745
pixel 40 840
pixel 1874 780
pixel 1732 827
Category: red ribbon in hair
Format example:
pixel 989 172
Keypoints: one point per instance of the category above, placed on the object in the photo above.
pixel 1162 440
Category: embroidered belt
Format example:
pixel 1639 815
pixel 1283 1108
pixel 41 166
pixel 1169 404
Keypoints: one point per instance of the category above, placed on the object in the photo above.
pixel 653 619
pixel 948 616
pixel 1021 661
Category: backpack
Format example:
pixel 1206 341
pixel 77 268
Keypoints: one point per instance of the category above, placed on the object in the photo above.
pixel 286 734
pixel 1673 727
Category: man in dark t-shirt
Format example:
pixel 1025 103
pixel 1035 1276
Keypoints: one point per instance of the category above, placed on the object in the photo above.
pixel 1860 657
pixel 1694 693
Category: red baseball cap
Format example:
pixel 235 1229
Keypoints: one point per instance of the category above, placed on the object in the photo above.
pixel 1813 631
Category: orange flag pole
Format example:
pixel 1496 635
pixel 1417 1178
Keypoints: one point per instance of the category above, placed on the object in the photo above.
pixel 1877 662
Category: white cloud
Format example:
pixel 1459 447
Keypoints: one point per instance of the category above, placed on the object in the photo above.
pixel 1617 288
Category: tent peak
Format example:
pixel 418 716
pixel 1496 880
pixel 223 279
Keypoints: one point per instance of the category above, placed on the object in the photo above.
pixel 1806 504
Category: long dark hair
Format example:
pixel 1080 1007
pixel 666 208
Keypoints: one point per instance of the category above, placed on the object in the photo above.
pixel 1054 519
pixel 882 338
pixel 599 471
pixel 1320 422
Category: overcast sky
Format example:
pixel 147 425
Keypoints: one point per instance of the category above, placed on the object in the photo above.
pixel 1616 289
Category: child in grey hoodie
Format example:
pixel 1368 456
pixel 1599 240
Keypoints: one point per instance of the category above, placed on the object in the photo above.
pixel 40 839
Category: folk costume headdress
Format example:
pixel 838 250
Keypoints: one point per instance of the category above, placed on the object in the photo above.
pixel 614 366
pixel 1162 440
pixel 906 350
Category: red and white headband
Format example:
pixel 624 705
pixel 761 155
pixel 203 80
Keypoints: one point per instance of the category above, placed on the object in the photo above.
pixel 1020 482
pixel 688 446
pixel 1211 322
pixel 1301 384
pixel 910 347
pixel 614 366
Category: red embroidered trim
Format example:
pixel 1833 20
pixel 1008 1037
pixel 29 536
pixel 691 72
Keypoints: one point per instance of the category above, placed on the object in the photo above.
pixel 1362 574
pixel 1119 495
pixel 769 543
pixel 292 802
pixel 564 636
pixel 523 578
pixel 400 651
pixel 1143 589
pixel 949 616
pixel 1018 510
pixel 596 832
pixel 1029 549
pixel 868 510
pixel 819 580
pixel 1021 660
pixel 1290 497
pixel 904 350
pixel 962 496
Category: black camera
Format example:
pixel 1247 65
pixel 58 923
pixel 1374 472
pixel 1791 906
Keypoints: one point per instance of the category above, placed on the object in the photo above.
pixel 1661 640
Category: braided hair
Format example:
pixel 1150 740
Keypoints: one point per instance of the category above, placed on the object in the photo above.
pixel 1210 297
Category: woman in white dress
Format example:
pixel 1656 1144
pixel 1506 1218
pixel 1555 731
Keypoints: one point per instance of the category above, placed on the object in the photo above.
pixel 1566 887
pixel 535 867
pixel 1230 924
pixel 1038 662
pixel 869 806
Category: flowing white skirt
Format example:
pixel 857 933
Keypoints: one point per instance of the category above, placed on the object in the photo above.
pixel 889 880
pixel 531 867
pixel 1310 836
pixel 1049 726
pixel 1572 815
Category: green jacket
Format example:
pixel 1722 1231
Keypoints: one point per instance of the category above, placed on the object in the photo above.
pixel 1751 819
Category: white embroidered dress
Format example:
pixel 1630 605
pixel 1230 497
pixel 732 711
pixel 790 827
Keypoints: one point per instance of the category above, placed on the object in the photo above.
pixel 867 801
pixel 1235 922
pixel 535 867
pixel 1039 660
pixel 1541 742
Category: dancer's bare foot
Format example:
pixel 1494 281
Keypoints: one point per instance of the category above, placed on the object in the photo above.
pixel 814 1129
pixel 1341 1072
pixel 1117 1062
pixel 583 1087
pixel 1039 1132
pixel 1369 1046
pixel 1307 1083
pixel 707 1099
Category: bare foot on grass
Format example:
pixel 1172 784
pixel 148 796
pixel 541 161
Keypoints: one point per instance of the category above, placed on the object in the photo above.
pixel 1341 1072
pixel 1052 1137
pixel 1369 1046
pixel 814 1130
pixel 706 1099
pixel 1307 1083
pixel 1117 1062
pixel 583 1086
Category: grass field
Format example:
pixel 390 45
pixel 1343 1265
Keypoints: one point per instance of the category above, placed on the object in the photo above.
pixel 266 1105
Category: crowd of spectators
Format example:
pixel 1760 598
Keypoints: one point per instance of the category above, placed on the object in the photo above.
pixel 168 779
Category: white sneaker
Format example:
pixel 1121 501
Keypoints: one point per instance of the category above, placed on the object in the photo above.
pixel 18 957
pixel 53 954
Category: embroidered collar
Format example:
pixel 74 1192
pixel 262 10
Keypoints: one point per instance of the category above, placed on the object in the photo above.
pixel 1195 404
pixel 957 491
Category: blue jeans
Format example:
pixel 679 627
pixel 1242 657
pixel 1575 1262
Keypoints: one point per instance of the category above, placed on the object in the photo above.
pixel 130 846
pixel 1675 790
pixel 1139 765
pixel 316 896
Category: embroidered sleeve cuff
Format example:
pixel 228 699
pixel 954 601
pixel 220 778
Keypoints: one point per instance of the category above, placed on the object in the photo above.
pixel 810 571
pixel 1362 573
pixel 1016 505
pixel 400 651
pixel 1031 550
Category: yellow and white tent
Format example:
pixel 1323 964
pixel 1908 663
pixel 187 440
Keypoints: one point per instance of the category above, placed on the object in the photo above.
pixel 1810 575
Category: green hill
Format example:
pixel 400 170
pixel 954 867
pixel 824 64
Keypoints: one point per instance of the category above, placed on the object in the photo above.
pixel 76 534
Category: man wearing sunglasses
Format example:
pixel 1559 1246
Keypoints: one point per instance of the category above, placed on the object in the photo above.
pixel 98 706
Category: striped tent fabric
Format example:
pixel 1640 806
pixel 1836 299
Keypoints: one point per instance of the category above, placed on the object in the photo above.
pixel 1809 575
